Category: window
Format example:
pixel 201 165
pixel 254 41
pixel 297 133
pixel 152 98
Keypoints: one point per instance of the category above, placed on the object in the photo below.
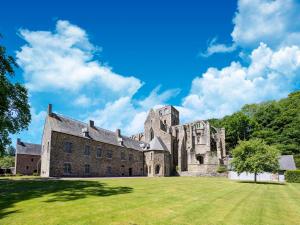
pixel 130 157
pixel 141 157
pixel 67 168
pixel 123 156
pixel 109 154
pixel 48 147
pixel 31 159
pixel 67 147
pixel 27 167
pixel 200 158
pixel 87 150
pixel 149 169
pixel 87 169
pixel 151 156
pixel 151 134
pixel 99 153
pixel 108 170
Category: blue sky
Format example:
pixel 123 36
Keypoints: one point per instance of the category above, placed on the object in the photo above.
pixel 111 61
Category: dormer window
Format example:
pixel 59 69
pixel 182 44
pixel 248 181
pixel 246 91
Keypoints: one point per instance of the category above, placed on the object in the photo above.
pixel 85 132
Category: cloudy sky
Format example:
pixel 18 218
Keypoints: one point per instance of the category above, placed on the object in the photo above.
pixel 112 61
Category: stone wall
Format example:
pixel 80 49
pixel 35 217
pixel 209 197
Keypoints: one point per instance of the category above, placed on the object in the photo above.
pixel 131 165
pixel 157 159
pixel 27 164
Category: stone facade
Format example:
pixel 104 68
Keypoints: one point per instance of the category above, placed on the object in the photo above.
pixel 195 147
pixel 73 148
pixel 28 158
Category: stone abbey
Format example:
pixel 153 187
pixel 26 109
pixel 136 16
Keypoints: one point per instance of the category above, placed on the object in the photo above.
pixel 166 147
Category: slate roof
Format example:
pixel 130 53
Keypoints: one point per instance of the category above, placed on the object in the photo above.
pixel 286 162
pixel 157 144
pixel 28 148
pixel 70 126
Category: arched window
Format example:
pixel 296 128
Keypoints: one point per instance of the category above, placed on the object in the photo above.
pixel 157 169
pixel 151 134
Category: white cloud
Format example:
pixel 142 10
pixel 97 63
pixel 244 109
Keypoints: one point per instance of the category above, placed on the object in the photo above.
pixel 63 60
pixel 83 100
pixel 214 48
pixel 275 23
pixel 271 75
pixel 129 114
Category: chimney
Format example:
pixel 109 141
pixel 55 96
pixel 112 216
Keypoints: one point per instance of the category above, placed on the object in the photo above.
pixel 119 137
pixel 18 141
pixel 118 133
pixel 91 123
pixel 49 109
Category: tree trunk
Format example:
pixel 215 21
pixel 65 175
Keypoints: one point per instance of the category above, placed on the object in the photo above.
pixel 255 174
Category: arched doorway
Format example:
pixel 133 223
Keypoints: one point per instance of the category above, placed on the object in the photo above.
pixel 157 169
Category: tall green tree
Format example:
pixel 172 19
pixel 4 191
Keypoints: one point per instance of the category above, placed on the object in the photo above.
pixel 254 156
pixel 238 126
pixel 14 108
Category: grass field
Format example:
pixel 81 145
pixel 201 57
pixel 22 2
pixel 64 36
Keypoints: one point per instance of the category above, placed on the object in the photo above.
pixel 173 200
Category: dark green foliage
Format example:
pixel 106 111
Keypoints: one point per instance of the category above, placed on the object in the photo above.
pixel 14 108
pixel 276 122
pixel 297 161
pixel 255 156
pixel 292 176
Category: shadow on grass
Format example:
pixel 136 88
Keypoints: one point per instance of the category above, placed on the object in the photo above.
pixel 14 191
pixel 260 182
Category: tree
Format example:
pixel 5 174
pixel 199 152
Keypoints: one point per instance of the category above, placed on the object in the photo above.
pixel 254 156
pixel 238 126
pixel 14 108
pixel 6 162
pixel 10 150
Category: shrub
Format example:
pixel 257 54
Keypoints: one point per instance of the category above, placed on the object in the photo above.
pixel 297 161
pixel 222 169
pixel 35 174
pixel 292 176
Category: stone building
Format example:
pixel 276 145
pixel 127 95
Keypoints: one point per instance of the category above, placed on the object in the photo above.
pixel 28 158
pixel 195 148
pixel 166 147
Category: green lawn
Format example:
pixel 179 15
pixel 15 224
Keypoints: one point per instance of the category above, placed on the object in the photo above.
pixel 173 200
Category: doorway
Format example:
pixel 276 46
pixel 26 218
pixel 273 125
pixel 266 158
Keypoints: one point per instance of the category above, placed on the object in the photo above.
pixel 130 172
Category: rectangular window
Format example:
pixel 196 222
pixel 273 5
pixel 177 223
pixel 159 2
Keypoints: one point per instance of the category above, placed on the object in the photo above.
pixel 141 157
pixel 109 154
pixel 87 169
pixel 99 153
pixel 67 168
pixel 67 147
pixel 130 157
pixel 123 156
pixel 108 170
pixel 87 150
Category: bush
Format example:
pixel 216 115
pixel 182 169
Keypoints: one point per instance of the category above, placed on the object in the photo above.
pixel 35 174
pixel 297 161
pixel 292 176
pixel 222 169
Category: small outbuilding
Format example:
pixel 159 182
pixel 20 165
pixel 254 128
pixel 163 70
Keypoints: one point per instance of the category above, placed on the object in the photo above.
pixel 28 158
pixel 286 162
pixel 157 159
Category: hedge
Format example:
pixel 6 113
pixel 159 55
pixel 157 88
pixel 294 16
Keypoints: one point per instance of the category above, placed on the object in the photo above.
pixel 297 161
pixel 292 176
